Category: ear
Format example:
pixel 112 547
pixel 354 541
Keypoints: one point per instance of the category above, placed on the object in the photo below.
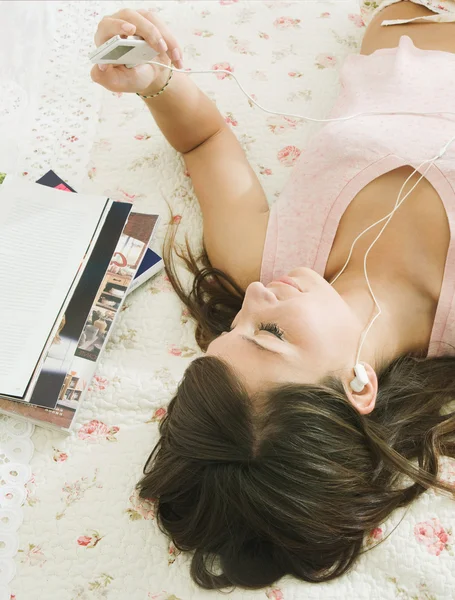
pixel 365 400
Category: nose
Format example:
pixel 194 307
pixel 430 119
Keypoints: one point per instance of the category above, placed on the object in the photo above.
pixel 257 298
pixel 257 292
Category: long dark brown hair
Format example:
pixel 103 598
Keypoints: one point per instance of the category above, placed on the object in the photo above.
pixel 291 480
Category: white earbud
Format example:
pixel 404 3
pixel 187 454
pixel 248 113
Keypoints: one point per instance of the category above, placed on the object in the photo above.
pixel 360 380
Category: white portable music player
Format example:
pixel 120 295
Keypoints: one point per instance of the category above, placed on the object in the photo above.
pixel 130 51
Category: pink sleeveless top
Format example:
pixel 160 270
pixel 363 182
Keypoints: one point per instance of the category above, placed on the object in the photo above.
pixel 343 157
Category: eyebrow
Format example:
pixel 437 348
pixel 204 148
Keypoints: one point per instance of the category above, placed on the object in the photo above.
pixel 253 341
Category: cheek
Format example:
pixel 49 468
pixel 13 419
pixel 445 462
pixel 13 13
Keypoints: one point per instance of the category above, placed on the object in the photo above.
pixel 324 319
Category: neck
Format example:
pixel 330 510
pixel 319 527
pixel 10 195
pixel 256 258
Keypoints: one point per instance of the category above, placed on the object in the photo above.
pixel 398 330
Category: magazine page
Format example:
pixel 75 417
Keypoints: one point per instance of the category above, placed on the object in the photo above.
pixel 44 238
pixel 125 261
pixel 60 354
pixel 151 263
pixel 52 180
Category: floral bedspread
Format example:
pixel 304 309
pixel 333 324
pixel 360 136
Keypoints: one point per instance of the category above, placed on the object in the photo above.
pixel 85 534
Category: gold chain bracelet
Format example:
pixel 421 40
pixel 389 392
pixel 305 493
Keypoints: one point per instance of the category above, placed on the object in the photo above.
pixel 161 90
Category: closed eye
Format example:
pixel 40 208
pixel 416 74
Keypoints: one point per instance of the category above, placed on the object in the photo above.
pixel 272 328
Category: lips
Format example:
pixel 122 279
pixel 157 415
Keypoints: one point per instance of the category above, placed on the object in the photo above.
pixel 289 281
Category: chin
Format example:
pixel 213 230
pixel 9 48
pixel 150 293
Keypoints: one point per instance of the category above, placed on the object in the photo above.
pixel 306 276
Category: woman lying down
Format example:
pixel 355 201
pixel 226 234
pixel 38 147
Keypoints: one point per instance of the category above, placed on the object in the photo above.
pixel 282 448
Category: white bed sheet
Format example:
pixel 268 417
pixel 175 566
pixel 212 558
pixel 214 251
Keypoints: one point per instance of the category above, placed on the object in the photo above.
pixel 85 536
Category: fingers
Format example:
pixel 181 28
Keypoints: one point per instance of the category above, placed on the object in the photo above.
pixel 104 76
pixel 110 26
pixel 144 28
pixel 145 24
pixel 174 51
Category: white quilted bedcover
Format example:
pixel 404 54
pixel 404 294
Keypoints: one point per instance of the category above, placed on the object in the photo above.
pixel 85 535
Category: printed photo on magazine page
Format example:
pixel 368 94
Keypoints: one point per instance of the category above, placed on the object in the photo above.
pixel 61 352
pixel 126 260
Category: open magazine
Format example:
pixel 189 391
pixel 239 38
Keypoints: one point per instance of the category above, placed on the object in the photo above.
pixel 67 362
pixel 151 263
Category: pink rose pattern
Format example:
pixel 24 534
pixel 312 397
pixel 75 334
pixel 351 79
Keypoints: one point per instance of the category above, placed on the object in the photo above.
pixel 75 491
pixel 278 124
pixel 30 490
pixel 140 508
pixel 173 553
pixel 99 383
pixel 253 97
pixel 175 351
pixel 158 415
pixel 288 155
pixel 33 556
pixel 323 61
pixel 160 284
pixel 203 33
pixel 286 23
pixel 89 541
pixel 432 535
pixel 184 351
pixel 374 537
pixel 240 46
pixel 84 540
pixel 274 594
pixel 98 585
pixel 185 316
pixel 96 431
pixel 224 66
pixel 357 20
pixel 230 120
pixel 59 457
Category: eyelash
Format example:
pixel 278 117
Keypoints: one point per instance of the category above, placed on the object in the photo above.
pixel 272 328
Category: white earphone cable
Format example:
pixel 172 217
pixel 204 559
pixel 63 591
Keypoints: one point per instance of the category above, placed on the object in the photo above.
pixel 398 202
pixel 397 205
pixel 292 115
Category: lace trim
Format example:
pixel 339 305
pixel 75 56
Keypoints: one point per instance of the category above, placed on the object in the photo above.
pixel 16 450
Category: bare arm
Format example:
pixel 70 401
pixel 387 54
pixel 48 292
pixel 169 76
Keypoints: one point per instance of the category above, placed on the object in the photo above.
pixel 233 204
pixel 185 115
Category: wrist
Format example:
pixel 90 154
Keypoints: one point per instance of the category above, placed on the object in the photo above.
pixel 159 81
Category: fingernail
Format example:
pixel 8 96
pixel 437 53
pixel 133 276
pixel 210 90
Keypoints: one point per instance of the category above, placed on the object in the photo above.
pixel 175 54
pixel 179 64
pixel 162 45
pixel 102 67
pixel 128 28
